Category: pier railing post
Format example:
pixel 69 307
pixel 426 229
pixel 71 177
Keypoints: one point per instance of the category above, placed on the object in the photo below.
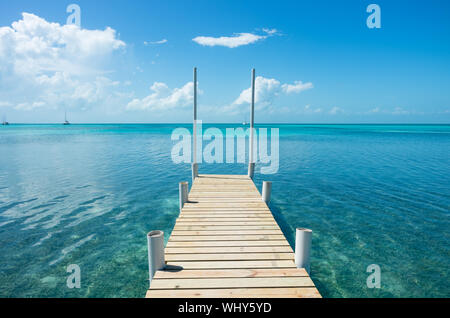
pixel 303 248
pixel 156 260
pixel 194 132
pixel 251 170
pixel 266 191
pixel 194 171
pixel 251 161
pixel 183 190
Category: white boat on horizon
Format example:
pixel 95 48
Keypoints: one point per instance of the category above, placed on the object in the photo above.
pixel 66 122
pixel 4 122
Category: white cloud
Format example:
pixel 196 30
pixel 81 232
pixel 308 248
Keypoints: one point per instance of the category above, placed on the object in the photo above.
pixel 5 104
pixel 394 111
pixel 335 110
pixel 164 98
pixel 155 42
pixel 270 31
pixel 228 41
pixel 29 106
pixel 309 110
pixel 238 39
pixel 400 111
pixel 44 64
pixel 297 87
pixel 266 91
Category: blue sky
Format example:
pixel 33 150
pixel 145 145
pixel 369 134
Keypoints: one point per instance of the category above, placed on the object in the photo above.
pixel 317 61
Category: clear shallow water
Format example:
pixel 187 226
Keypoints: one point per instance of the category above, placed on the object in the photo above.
pixel 88 194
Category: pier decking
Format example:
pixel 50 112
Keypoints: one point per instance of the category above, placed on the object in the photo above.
pixel 226 243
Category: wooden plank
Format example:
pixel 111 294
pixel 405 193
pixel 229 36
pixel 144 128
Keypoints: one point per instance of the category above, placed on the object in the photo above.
pixel 181 227
pixel 232 192
pixel 229 214
pixel 242 210
pixel 224 189
pixel 238 193
pixel 225 216
pixel 242 282
pixel 239 209
pixel 226 204
pixel 235 219
pixel 225 211
pixel 229 249
pixel 218 200
pixel 223 182
pixel 233 264
pixel 229 257
pixel 195 207
pixel 189 222
pixel 232 219
pixel 224 176
pixel 209 201
pixel 225 199
pixel 224 208
pixel 254 237
pixel 231 232
pixel 185 212
pixel 225 196
pixel 260 225
pixel 221 178
pixel 229 273
pixel 242 215
pixel 303 292
pixel 226 243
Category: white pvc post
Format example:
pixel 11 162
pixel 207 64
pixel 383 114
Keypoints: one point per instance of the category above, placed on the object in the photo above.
pixel 156 261
pixel 303 248
pixel 186 193
pixel 183 190
pixel 266 191
pixel 194 127
pixel 194 171
pixel 251 163
pixel 251 169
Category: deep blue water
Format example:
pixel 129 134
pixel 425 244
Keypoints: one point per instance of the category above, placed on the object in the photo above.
pixel 88 194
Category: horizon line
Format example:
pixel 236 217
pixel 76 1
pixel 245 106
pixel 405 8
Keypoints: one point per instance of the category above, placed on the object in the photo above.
pixel 223 123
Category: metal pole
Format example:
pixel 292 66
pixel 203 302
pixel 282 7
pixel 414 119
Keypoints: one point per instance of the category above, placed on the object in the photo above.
pixel 303 248
pixel 251 164
pixel 156 260
pixel 194 143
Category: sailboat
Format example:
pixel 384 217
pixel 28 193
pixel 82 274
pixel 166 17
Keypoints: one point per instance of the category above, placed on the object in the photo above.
pixel 66 122
pixel 4 122
pixel 244 122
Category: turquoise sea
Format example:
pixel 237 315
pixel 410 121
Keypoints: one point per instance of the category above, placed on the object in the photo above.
pixel 88 194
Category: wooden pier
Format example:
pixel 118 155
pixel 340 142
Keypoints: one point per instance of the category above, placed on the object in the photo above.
pixel 226 243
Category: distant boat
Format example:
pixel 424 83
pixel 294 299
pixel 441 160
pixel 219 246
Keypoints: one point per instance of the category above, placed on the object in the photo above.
pixel 66 122
pixel 4 122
